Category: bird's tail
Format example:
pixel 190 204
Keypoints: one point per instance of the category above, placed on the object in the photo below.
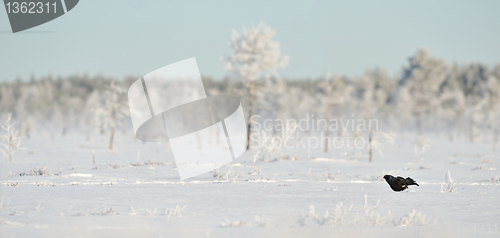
pixel 410 181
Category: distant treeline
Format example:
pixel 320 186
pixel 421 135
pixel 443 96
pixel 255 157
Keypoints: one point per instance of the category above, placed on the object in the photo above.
pixel 429 94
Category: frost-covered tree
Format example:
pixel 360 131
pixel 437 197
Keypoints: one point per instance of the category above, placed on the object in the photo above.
pixel 373 91
pixel 377 141
pixel 254 53
pixel 9 138
pixel 452 101
pixel 492 108
pixel 271 99
pixel 494 86
pixel 333 90
pixel 90 121
pixel 112 111
pixel 421 81
pixel 474 80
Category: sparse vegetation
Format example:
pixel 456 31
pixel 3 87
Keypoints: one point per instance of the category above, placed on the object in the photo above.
pixel 43 171
pixel 229 223
pixel 230 174
pixel 342 216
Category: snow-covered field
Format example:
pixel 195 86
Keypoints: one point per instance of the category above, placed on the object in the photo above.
pixel 52 188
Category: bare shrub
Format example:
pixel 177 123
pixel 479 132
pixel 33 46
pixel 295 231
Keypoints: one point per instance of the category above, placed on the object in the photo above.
pixel 421 146
pixel 228 223
pixel 447 186
pixel 174 212
pixel 9 138
pixel 230 175
pixel 44 171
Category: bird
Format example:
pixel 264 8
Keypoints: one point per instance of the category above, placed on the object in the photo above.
pixel 399 184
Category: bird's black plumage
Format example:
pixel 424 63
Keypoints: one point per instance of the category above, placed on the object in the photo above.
pixel 399 184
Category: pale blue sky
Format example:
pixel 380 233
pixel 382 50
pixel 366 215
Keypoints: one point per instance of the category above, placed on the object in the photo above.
pixel 119 37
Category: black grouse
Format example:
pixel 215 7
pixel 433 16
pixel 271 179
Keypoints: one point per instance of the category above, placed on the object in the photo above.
pixel 399 184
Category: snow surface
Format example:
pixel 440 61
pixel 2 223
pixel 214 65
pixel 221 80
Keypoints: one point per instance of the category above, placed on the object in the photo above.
pixel 130 197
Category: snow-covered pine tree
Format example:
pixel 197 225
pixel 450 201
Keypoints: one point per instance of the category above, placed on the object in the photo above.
pixel 254 53
pixel 112 111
